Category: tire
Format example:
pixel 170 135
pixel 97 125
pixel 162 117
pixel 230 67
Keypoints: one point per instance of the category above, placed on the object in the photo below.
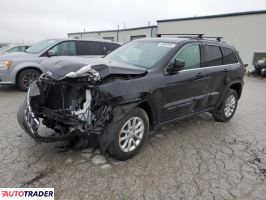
pixel 228 107
pixel 123 147
pixel 26 77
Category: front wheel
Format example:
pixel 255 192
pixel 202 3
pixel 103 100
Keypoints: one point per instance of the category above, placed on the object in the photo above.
pixel 227 110
pixel 130 134
pixel 26 77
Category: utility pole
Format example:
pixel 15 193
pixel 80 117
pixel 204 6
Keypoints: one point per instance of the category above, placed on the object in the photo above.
pixel 117 33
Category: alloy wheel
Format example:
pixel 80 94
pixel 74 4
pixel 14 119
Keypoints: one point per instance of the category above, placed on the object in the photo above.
pixel 28 79
pixel 230 106
pixel 131 134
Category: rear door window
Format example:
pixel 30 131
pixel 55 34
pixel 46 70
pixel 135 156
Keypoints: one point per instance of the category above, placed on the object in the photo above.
pixel 89 48
pixel 213 56
pixel 229 56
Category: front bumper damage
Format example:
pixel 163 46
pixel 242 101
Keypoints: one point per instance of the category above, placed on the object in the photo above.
pixel 70 106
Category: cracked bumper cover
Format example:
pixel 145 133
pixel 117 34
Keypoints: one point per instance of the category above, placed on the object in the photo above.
pixel 29 121
pixel 26 118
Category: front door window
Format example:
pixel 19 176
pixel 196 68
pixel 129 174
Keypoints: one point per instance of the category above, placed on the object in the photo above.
pixel 65 49
pixel 191 55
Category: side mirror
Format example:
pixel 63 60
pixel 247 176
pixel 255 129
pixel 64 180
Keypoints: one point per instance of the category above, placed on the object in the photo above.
pixel 51 53
pixel 175 67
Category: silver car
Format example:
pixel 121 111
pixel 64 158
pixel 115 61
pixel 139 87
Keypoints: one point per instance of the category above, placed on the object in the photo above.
pixel 13 48
pixel 22 68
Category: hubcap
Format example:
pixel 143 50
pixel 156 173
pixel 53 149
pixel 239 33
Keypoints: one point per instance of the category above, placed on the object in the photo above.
pixel 131 134
pixel 28 78
pixel 230 105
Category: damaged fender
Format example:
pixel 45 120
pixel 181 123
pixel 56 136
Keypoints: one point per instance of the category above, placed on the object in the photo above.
pixel 87 101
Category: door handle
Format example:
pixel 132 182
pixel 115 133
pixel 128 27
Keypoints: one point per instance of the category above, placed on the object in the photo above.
pixel 200 75
pixel 226 70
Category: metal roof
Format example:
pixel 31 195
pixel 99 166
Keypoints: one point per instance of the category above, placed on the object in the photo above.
pixel 81 39
pixel 115 30
pixel 215 16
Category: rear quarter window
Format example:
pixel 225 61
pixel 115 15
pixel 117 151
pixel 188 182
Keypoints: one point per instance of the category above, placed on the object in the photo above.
pixel 229 56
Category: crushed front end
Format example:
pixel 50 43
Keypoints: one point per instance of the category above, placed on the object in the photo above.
pixel 72 105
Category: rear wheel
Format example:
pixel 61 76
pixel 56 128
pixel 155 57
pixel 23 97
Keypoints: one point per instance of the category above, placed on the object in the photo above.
pixel 130 134
pixel 26 77
pixel 227 110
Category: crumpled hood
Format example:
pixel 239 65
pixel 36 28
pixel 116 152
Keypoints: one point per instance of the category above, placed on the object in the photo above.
pixel 59 67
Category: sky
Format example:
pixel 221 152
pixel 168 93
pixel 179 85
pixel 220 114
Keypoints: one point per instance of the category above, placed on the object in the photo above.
pixel 30 21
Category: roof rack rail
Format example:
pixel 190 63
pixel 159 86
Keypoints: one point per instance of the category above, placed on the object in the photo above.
pixel 198 35
pixel 217 38
pixel 190 35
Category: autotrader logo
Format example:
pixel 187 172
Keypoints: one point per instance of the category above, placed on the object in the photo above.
pixel 27 193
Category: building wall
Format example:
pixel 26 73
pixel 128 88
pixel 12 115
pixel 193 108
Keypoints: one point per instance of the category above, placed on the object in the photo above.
pixel 97 35
pixel 124 35
pixel 246 32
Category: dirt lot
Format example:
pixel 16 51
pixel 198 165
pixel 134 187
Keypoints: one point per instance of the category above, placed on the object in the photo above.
pixel 195 158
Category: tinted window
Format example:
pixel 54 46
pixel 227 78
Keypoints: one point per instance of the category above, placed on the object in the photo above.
pixel 191 55
pixel 89 48
pixel 229 56
pixel 65 49
pixel 111 46
pixel 213 56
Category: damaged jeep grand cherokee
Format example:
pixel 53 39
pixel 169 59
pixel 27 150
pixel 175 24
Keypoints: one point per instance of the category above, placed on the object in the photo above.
pixel 145 83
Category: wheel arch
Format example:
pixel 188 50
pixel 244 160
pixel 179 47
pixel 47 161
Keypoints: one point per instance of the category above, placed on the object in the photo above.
pixel 237 87
pixel 118 113
pixel 145 105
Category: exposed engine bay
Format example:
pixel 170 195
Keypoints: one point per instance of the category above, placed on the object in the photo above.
pixel 71 105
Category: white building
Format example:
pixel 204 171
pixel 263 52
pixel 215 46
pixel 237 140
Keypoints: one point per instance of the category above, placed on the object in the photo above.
pixel 245 30
pixel 121 36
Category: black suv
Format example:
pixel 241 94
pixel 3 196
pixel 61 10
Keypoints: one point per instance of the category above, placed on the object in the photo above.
pixel 131 91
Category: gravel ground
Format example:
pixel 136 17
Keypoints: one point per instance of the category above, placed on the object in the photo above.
pixel 195 158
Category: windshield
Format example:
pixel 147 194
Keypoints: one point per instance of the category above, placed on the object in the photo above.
pixel 41 46
pixel 141 53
